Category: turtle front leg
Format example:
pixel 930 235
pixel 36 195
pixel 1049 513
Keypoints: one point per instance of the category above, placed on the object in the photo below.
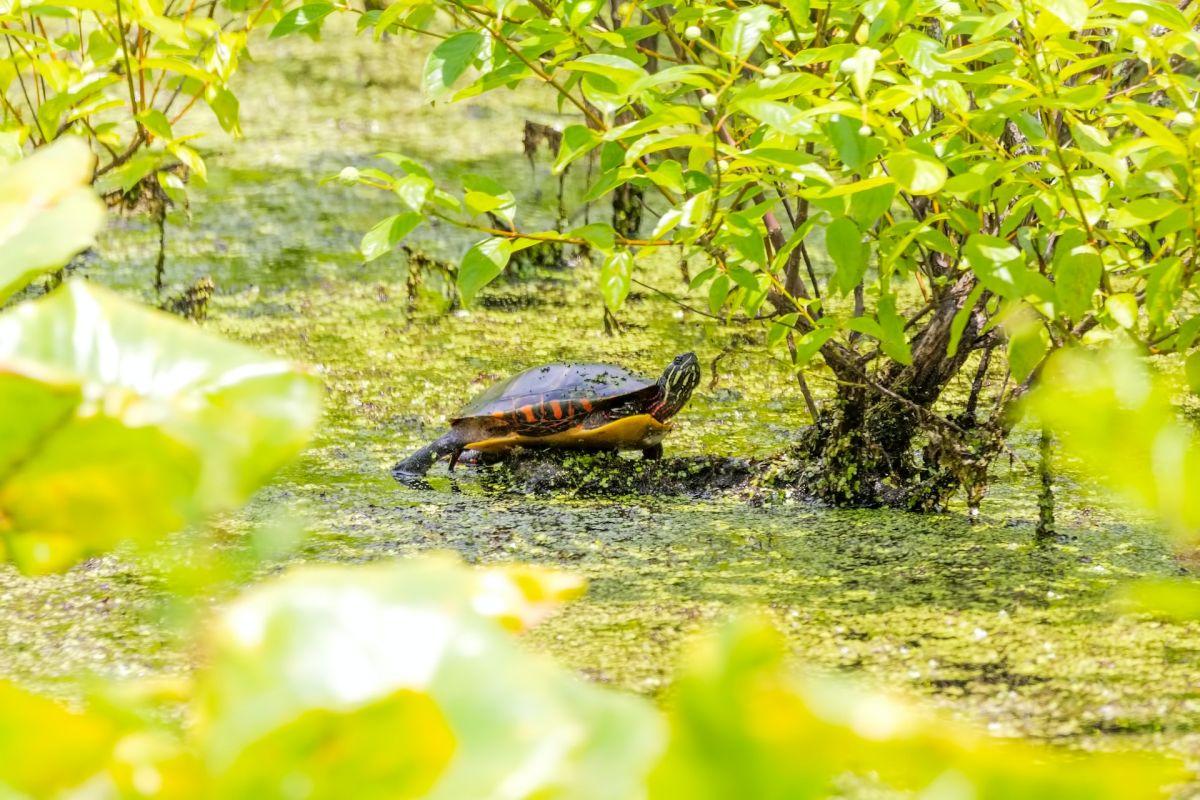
pixel 416 465
pixel 652 453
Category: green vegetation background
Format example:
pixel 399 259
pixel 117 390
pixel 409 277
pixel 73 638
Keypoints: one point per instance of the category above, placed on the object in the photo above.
pixel 1022 640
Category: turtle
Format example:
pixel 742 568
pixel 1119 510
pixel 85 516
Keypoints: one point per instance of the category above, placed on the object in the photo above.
pixel 565 405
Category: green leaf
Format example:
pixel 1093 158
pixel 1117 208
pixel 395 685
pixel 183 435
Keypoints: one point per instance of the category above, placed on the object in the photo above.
pixel 854 149
pixel 1028 343
pixel 892 340
pixel 224 105
pixel 486 194
pixel 577 141
pixel 1118 417
pixel 414 190
pixel 718 292
pixel 1192 371
pixel 1077 274
pixel 1189 331
pixel 868 205
pixel 1071 13
pixel 741 235
pixel 998 265
pixel 782 117
pixel 620 72
pixel 862 69
pixel 920 52
pixel 808 345
pixel 387 234
pixel 739 716
pixel 38 731
pixel 306 19
pixel 616 273
pixel 449 60
pixel 843 241
pixel 1177 600
pixel 961 318
pixel 747 30
pixel 780 328
pixel 192 160
pixel 47 213
pixel 118 422
pixel 409 165
pixel 580 13
pixel 329 749
pixel 599 235
pixel 157 123
pixel 1141 212
pixel 1123 308
pixel 917 173
pixel 481 265
pixel 1164 290
pixel 393 668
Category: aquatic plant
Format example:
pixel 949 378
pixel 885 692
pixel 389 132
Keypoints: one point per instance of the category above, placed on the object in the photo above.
pixel 124 76
pixel 920 200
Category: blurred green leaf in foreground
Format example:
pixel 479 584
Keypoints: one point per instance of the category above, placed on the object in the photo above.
pixel 1115 413
pixel 1112 412
pixel 391 680
pixel 117 421
pixel 401 679
pixel 745 725
pixel 48 212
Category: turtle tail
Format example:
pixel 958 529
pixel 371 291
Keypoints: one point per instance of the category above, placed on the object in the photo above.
pixel 450 444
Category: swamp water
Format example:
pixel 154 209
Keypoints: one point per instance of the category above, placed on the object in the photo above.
pixel 1022 639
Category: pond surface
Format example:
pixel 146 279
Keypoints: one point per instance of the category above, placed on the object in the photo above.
pixel 1022 639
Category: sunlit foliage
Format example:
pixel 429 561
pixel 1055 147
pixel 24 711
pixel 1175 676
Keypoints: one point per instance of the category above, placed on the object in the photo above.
pixel 891 191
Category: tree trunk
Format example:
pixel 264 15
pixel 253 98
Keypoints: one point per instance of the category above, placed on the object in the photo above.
pixel 627 211
pixel 879 441
pixel 1045 523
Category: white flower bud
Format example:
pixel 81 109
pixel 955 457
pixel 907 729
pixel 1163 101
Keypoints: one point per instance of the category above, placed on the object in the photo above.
pixel 348 175
pixel 1138 17
pixel 693 32
pixel 1185 119
pixel 865 130
pixel 708 100
pixel 771 71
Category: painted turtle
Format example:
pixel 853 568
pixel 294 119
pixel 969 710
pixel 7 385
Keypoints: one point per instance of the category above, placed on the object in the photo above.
pixel 579 406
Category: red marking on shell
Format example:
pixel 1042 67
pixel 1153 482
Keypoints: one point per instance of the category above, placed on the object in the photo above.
pixel 528 412
pixel 554 406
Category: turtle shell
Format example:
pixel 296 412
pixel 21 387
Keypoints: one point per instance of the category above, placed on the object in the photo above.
pixel 574 388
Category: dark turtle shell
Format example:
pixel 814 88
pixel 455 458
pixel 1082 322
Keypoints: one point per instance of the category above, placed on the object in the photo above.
pixel 572 389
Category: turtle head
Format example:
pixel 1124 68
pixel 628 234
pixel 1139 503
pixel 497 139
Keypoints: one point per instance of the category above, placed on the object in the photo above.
pixel 675 386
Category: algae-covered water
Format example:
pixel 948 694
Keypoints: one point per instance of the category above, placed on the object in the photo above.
pixel 1020 638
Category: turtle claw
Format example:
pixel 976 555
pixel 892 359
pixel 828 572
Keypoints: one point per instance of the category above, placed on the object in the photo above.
pixel 412 480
